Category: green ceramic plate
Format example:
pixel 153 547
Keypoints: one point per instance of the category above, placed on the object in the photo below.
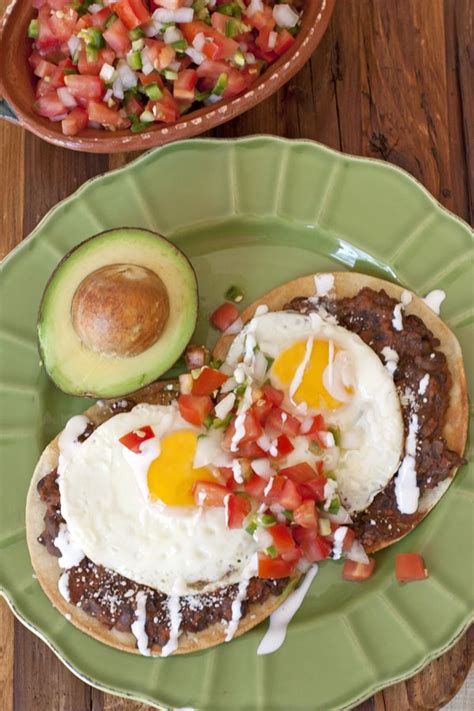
pixel 255 212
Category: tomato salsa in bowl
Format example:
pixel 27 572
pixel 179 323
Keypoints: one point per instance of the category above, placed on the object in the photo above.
pixel 112 76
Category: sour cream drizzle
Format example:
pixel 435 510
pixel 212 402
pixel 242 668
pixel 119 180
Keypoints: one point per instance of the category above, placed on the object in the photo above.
pixel 323 283
pixel 174 610
pixel 71 554
pixel 280 619
pixel 138 626
pixel 406 490
pixel 299 374
pixel 237 609
pixel 68 440
pixel 434 300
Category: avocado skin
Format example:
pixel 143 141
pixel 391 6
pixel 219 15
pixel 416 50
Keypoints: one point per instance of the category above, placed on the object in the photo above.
pixel 140 370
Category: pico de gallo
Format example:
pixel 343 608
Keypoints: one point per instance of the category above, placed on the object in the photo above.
pixel 132 63
pixel 292 509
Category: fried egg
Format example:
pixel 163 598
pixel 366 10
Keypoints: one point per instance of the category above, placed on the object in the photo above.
pixel 324 368
pixel 135 512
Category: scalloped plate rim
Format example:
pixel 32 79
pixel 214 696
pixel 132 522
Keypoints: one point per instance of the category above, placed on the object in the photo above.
pixel 338 155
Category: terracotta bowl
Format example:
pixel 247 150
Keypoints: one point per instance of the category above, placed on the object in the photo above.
pixel 17 87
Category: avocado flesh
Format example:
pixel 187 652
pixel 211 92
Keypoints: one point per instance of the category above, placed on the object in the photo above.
pixel 76 369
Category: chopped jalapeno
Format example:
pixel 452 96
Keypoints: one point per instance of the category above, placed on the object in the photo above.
pixel 153 91
pixel 136 34
pixel 335 504
pixel 324 527
pixel 268 519
pixel 134 60
pixel 233 293
pixel 336 433
pixel 110 20
pixel 271 551
pixel 33 29
pixel 221 84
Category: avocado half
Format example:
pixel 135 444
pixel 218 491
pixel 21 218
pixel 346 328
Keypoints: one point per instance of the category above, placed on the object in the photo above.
pixel 117 312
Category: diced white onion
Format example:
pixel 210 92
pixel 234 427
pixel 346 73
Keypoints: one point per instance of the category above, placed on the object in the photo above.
pixel 272 39
pixel 197 57
pixel 107 72
pixel 260 366
pixel 211 3
pixel 184 14
pixel 229 385
pixel 66 97
pixel 107 96
pixel 342 516
pixel 55 119
pixel 127 76
pixel 163 15
pixel 199 41
pixel 238 324
pixel 174 66
pixel 117 88
pixel 95 8
pixel 223 407
pixel 151 29
pixel 357 553
pixel 172 34
pixel 250 58
pixel 147 66
pixel 73 44
pixel 254 6
pixel 285 16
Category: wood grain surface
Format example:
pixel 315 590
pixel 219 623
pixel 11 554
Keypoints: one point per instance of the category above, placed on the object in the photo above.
pixel 392 79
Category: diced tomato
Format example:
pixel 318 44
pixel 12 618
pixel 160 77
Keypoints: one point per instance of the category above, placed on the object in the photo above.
pixel 44 69
pixel 253 431
pixel 134 440
pixel 152 78
pixel 219 21
pixel 220 46
pixel 275 489
pixel 281 422
pixel 57 4
pixel 63 24
pixel 184 85
pixel 348 539
pixel 195 408
pixel 116 36
pixel 255 486
pixel 251 450
pixel 305 515
pixel 237 508
pixel 191 29
pixel 105 56
pixel 269 567
pixel 282 538
pixel 262 19
pixel 165 109
pixel 284 446
pixel 317 425
pixel 100 18
pixel 290 497
pixel 299 473
pixel 50 105
pixel 133 106
pixel 83 23
pixel 225 314
pixel 410 566
pixel 314 488
pixel 208 493
pixel 293 555
pixel 314 547
pixel 208 381
pixel 74 122
pixel 284 42
pixel 132 13
pixel 263 39
pixel 210 70
pixel 84 88
pixel 46 40
pixel 355 572
pixel 100 113
pixel 261 409
pixel 273 395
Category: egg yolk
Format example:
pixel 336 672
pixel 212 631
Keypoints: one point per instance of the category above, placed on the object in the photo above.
pixel 171 475
pixel 311 389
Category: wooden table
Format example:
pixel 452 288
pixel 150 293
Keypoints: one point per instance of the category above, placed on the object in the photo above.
pixel 392 79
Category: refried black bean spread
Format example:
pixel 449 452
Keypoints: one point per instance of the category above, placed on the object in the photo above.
pixel 112 599
pixel 370 314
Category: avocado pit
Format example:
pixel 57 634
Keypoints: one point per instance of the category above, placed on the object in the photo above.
pixel 120 310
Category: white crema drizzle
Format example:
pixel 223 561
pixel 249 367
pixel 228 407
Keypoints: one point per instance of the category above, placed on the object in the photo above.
pixel 174 610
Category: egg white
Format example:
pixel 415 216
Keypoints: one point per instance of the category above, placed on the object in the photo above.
pixel 106 504
pixel 370 422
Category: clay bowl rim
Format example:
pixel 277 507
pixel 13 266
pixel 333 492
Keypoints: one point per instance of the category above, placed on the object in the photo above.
pixel 316 18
